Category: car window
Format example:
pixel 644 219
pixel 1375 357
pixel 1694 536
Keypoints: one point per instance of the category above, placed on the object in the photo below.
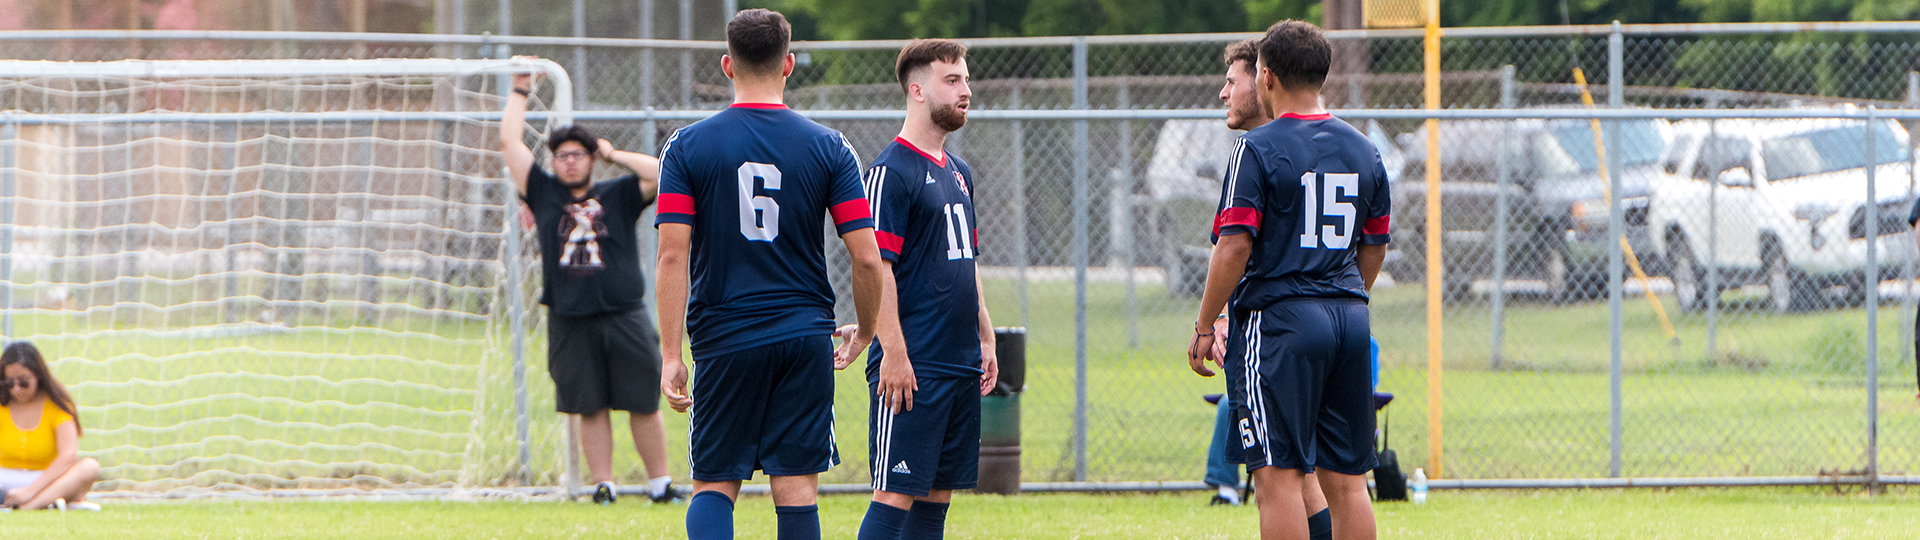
pixel 1720 154
pixel 1677 152
pixel 1640 143
pixel 1827 150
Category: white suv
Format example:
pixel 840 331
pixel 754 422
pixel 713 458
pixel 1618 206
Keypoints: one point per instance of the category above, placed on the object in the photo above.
pixel 1780 203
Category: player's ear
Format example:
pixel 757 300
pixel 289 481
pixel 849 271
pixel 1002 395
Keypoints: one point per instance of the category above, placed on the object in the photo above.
pixel 726 65
pixel 787 69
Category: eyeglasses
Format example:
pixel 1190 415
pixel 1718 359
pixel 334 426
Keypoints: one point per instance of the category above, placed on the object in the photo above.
pixel 16 383
pixel 572 155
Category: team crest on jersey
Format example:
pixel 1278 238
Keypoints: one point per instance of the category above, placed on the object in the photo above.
pixel 957 177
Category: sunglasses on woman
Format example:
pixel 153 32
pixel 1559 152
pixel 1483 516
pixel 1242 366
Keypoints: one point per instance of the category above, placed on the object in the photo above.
pixel 16 383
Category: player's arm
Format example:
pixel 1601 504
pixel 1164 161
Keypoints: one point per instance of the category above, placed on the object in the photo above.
pixel 646 167
pixel 513 125
pixel 989 343
pixel 670 291
pixel 1376 231
pixel 1234 230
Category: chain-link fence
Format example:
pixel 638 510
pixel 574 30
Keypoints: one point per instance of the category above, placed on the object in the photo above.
pixel 1752 318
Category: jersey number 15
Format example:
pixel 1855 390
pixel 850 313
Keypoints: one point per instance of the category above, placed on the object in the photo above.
pixel 1314 235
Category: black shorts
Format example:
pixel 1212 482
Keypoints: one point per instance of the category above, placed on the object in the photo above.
pixel 606 361
pixel 1301 383
pixel 934 446
pixel 769 408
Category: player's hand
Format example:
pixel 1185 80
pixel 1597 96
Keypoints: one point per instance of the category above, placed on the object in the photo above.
pixel 851 344
pixel 526 80
pixel 673 384
pixel 896 382
pixel 17 496
pixel 1198 349
pixel 604 151
pixel 1220 343
pixel 989 367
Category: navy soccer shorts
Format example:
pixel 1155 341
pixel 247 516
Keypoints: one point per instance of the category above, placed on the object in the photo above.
pixel 935 446
pixel 1300 379
pixel 769 408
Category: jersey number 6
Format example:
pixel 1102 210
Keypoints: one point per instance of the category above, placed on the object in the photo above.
pixel 1315 234
pixel 759 215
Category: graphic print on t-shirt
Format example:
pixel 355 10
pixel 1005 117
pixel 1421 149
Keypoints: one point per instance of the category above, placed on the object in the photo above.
pixel 582 230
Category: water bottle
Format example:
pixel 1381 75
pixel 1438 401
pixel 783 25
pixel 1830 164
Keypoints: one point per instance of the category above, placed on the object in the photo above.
pixel 1419 486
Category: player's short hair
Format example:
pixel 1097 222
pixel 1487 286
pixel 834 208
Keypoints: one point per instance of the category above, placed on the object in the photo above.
pixel 575 133
pixel 1245 51
pixel 757 40
pixel 924 52
pixel 1297 53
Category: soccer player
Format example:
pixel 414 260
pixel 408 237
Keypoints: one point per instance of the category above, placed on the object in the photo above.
pixel 1245 113
pixel 1300 236
pixel 743 195
pixel 924 430
pixel 601 349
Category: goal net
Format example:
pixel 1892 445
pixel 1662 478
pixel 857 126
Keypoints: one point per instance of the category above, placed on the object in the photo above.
pixel 278 274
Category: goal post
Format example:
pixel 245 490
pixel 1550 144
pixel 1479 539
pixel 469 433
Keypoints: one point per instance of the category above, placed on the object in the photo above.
pixel 279 274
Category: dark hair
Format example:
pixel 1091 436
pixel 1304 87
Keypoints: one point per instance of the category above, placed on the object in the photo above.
pixel 27 356
pixel 575 133
pixel 1245 51
pixel 924 52
pixel 757 40
pixel 1297 54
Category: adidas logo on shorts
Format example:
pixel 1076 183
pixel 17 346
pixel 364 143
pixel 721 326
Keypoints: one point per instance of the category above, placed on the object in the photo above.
pixel 901 468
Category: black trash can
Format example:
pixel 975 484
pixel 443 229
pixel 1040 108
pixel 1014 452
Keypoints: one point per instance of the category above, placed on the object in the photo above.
pixel 1000 416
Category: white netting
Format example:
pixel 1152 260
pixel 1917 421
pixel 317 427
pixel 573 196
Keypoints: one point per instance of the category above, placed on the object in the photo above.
pixel 271 274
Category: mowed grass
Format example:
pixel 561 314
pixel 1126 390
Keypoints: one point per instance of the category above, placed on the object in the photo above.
pixel 1779 513
pixel 1782 394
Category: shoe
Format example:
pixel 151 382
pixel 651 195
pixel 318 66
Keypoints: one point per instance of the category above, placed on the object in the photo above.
pixel 603 493
pixel 1220 500
pixel 84 506
pixel 673 495
pixel 60 504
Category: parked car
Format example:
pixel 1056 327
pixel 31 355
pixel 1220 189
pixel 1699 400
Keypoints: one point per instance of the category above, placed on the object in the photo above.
pixel 1183 190
pixel 1782 203
pixel 1557 229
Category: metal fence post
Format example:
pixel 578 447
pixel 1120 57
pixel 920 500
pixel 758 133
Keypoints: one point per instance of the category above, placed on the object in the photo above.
pixel 1713 250
pixel 1080 263
pixel 579 67
pixel 646 57
pixel 1020 210
pixel 1615 226
pixel 1872 286
pixel 9 136
pixel 1500 218
pixel 1128 242
pixel 686 55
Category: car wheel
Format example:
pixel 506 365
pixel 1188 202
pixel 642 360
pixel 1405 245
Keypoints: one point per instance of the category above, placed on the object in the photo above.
pixel 1788 289
pixel 1687 278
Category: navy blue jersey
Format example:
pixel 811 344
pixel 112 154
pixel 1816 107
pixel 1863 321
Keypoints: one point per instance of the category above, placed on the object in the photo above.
pixel 755 182
pixel 923 220
pixel 1310 189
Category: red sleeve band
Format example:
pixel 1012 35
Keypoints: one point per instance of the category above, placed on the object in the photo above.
pixel 1378 225
pixel 889 241
pixel 1245 217
pixel 851 210
pixel 676 203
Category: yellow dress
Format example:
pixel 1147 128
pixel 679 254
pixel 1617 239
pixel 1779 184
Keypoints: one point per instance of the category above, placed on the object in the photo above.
pixel 31 449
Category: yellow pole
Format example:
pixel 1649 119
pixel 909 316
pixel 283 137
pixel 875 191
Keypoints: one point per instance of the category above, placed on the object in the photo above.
pixel 1435 276
pixel 1633 261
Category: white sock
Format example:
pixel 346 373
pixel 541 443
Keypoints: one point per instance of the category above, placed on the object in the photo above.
pixel 1232 495
pixel 659 485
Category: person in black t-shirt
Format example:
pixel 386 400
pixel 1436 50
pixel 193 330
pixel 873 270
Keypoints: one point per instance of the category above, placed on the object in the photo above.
pixel 602 350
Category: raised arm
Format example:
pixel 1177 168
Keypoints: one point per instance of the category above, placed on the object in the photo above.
pixel 644 166
pixel 513 126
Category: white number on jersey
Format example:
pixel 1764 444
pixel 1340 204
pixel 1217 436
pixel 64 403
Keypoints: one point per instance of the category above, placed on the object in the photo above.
pixel 1315 234
pixel 959 235
pixel 759 216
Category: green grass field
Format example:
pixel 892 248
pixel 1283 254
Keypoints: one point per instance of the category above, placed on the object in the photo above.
pixel 1784 395
pixel 1595 514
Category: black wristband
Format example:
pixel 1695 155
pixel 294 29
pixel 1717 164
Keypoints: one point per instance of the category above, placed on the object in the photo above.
pixel 523 92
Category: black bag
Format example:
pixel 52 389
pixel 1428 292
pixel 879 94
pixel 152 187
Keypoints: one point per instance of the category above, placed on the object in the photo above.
pixel 1389 483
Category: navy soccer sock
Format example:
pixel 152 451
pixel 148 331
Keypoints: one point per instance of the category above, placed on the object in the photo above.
pixel 927 521
pixel 710 517
pixel 1320 525
pixel 798 522
pixel 883 522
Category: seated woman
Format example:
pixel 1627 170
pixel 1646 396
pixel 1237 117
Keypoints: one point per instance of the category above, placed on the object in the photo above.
pixel 40 461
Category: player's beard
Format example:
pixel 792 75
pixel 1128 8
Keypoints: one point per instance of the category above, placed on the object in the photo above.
pixel 949 117
pixel 1245 113
pixel 585 180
